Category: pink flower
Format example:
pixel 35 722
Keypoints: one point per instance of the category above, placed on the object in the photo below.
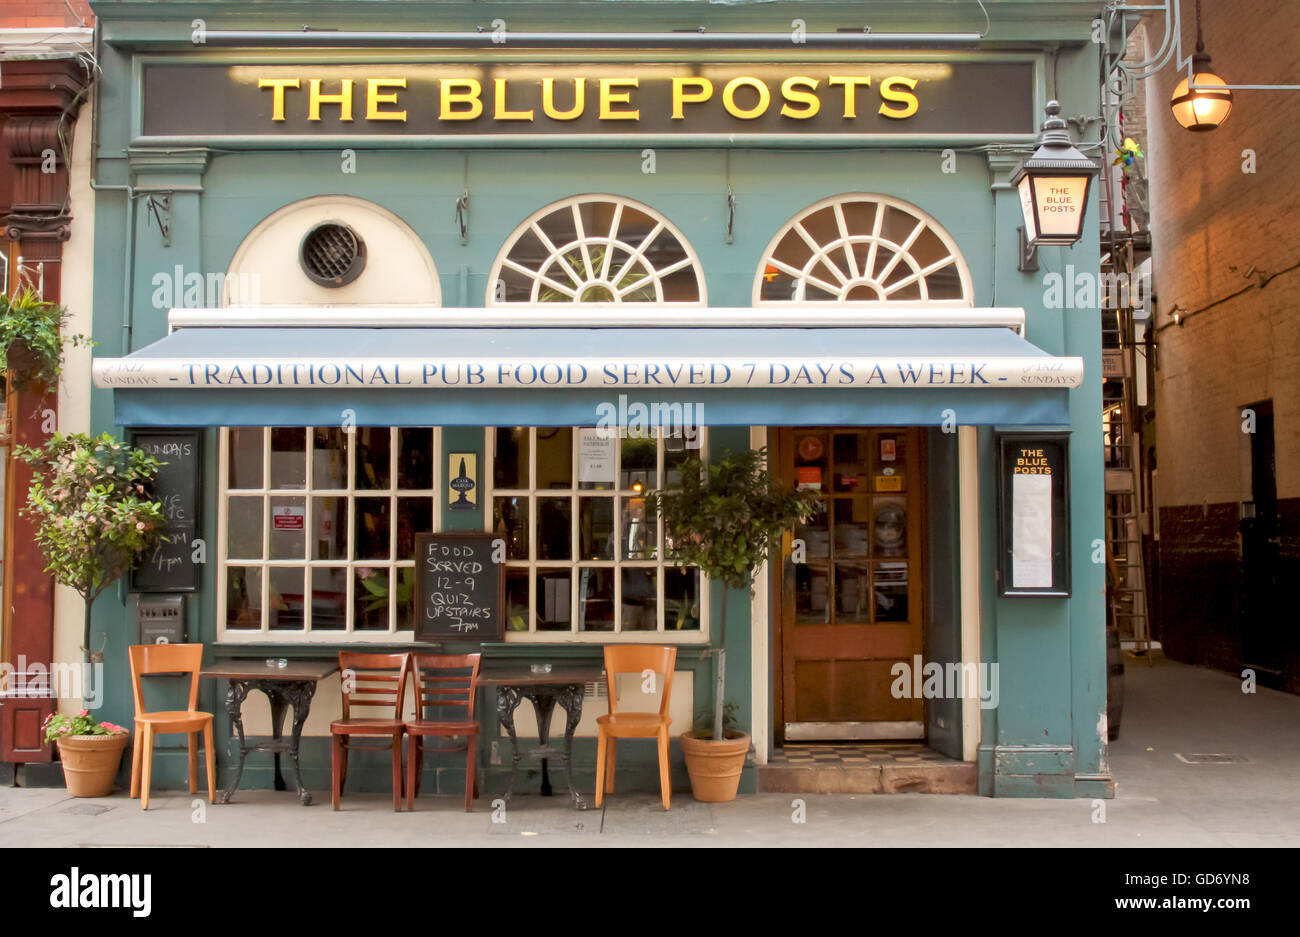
pixel 84 712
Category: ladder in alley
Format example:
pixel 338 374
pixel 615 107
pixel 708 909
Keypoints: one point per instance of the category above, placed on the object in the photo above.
pixel 1126 577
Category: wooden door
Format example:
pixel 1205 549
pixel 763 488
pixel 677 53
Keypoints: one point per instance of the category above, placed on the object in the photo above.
pixel 851 591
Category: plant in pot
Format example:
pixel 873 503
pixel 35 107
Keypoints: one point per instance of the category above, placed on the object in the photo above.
pixel 725 518
pixel 94 520
pixel 31 345
pixel 89 749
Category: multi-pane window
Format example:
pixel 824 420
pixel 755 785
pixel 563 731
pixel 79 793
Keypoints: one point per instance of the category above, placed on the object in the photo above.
pixel 596 249
pixel 318 529
pixel 582 557
pixel 863 249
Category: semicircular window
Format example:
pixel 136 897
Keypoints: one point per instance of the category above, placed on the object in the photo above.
pixel 596 249
pixel 863 249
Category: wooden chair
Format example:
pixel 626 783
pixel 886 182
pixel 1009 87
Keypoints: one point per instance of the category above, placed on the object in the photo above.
pixel 634 658
pixel 369 680
pixel 440 682
pixel 168 658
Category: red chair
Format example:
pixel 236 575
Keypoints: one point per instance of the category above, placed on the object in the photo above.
pixel 634 658
pixel 370 680
pixel 438 687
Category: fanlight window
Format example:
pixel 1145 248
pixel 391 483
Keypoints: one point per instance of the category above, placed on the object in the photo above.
pixel 863 249
pixel 596 249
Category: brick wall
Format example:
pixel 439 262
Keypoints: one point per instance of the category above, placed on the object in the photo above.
pixel 1210 224
pixel 1224 241
pixel 16 14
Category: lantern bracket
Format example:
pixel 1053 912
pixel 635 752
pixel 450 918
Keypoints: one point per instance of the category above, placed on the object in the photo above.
pixel 1028 262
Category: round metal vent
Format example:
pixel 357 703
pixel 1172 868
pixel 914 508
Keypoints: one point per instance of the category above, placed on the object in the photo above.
pixel 332 254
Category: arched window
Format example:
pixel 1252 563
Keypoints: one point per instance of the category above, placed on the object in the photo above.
pixel 863 249
pixel 596 249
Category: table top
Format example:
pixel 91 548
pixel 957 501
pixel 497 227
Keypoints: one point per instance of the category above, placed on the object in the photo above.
pixel 520 675
pixel 257 670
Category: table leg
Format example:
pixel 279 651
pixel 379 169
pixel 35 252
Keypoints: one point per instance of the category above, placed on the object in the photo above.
pixel 570 699
pixel 275 694
pixel 544 704
pixel 299 696
pixel 507 702
pixel 235 694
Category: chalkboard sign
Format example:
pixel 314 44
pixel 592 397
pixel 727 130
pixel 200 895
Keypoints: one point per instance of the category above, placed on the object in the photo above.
pixel 170 567
pixel 459 590
pixel 1034 514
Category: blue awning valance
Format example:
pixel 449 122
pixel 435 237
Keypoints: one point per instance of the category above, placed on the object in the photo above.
pixel 304 376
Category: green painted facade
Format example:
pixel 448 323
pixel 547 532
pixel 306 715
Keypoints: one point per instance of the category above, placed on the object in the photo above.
pixel 1047 736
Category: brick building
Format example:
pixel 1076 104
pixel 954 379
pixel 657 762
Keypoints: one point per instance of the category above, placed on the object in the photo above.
pixel 1227 382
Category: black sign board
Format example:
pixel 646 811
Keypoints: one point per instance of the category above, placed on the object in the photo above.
pixel 521 99
pixel 178 486
pixel 1034 514
pixel 459 590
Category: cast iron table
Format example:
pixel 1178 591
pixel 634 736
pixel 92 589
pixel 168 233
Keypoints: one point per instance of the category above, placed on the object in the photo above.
pixel 563 685
pixel 293 685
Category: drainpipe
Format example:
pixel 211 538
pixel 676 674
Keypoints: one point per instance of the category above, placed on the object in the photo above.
pixel 128 269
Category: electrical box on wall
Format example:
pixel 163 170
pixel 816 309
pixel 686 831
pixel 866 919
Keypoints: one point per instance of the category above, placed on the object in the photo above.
pixel 160 619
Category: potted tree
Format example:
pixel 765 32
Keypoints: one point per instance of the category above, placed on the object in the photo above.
pixel 31 346
pixel 726 519
pixel 94 520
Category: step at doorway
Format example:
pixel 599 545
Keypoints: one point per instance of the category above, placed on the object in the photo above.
pixel 865 768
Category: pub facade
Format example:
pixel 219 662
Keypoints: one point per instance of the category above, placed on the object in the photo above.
pixel 424 269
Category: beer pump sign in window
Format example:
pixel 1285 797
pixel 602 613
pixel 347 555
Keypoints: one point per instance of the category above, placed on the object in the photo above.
pixel 1034 511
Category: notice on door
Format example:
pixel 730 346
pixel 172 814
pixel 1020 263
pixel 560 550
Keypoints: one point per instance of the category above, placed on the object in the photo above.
pixel 596 452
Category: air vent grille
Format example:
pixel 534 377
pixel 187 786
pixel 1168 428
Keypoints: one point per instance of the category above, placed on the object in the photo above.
pixel 332 254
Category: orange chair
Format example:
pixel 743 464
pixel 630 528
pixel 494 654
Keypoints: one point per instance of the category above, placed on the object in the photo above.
pixel 436 687
pixel 634 658
pixel 371 680
pixel 168 658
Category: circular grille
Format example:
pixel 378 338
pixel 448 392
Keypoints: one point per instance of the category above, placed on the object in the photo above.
pixel 332 254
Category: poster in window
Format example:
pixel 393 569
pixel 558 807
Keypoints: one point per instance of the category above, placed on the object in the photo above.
pixel 1034 517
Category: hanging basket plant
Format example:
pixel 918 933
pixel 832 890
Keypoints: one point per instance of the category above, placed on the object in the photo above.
pixel 32 341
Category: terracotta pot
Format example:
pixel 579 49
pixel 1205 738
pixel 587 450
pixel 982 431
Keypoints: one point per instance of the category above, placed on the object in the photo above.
pixel 715 767
pixel 90 762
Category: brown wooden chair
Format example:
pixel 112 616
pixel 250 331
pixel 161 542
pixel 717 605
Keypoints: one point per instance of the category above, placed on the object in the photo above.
pixel 634 658
pixel 168 658
pixel 369 680
pixel 441 683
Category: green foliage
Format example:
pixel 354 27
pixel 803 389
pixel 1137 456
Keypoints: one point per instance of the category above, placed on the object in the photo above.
pixel 57 725
pixel 34 325
pixel 727 517
pixel 703 726
pixel 375 582
pixel 89 504
pixel 597 293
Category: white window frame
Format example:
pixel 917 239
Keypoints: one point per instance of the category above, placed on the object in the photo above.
pixel 584 242
pixel 835 256
pixel 574 636
pixel 347 635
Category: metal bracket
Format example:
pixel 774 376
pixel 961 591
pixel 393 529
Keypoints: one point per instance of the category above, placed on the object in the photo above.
pixel 159 207
pixel 731 214
pixel 1028 262
pixel 462 216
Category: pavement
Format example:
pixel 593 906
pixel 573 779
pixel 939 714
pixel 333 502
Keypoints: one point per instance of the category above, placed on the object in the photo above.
pixel 1252 799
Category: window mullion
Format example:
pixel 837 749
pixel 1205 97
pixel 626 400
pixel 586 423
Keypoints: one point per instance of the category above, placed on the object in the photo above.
pixel 266 529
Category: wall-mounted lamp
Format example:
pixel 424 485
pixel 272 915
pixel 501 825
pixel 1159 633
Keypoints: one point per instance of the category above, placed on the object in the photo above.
pixel 1195 106
pixel 1054 184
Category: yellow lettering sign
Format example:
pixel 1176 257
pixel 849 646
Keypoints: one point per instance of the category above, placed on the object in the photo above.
pixel 906 98
pixel 704 91
pixel 460 91
pixel 735 110
pixel 789 91
pixel 375 96
pixel 850 83
pixel 277 93
pixel 609 97
pixel 315 98
pixel 548 99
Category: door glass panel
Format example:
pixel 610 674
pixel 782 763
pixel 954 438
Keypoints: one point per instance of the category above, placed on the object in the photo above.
pixel 329 518
pixel 288 457
pixel 510 523
pixel 285 610
pixel 852 526
pixel 889 462
pixel 516 599
pixel 415 458
pixel 890 587
pixel 889 527
pixel 596 528
pixel 288 528
pixel 595 599
pixel 329 467
pixel 245 457
pixel 370 593
pixel 371 534
pixel 853 604
pixel 637 536
pixel 329 598
pixel 850 469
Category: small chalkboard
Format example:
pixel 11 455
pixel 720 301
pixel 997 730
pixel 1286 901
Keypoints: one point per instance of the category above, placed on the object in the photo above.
pixel 459 590
pixel 170 566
